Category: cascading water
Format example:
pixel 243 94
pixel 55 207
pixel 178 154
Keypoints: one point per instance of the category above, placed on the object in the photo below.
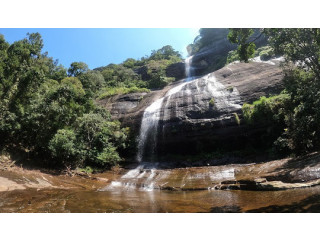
pixel 190 90
pixel 149 128
pixel 189 69
pixel 151 116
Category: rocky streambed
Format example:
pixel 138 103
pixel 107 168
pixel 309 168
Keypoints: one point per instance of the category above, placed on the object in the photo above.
pixel 286 185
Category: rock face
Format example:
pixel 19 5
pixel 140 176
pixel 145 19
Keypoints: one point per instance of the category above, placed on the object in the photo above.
pixel 202 114
pixel 214 56
pixel 176 70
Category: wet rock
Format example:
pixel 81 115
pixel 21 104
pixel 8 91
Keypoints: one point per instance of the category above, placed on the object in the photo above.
pixel 201 115
pixel 9 185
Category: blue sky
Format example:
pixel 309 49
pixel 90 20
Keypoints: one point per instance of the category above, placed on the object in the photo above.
pixel 101 46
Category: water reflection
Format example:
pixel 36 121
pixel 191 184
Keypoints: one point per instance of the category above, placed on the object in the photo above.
pixel 295 200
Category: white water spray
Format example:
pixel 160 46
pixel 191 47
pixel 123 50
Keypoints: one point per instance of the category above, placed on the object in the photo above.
pixel 189 69
pixel 151 116
pixel 149 127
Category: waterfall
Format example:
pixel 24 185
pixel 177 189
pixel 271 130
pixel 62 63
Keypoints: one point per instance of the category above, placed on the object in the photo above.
pixel 189 90
pixel 151 116
pixel 149 128
pixel 188 66
pixel 145 176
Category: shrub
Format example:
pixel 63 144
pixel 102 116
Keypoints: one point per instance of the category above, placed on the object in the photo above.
pixel 271 113
pixel 265 53
pixel 99 139
pixel 63 146
pixel 232 57
pixel 265 110
pixel 211 102
pixel 108 92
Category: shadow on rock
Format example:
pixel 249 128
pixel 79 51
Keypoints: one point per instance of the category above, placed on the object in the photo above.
pixel 226 209
pixel 300 169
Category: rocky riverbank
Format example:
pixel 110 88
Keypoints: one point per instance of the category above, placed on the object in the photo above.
pixel 285 185
pixel 274 175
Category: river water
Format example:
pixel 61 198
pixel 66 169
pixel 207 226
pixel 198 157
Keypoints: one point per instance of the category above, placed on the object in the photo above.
pixel 51 200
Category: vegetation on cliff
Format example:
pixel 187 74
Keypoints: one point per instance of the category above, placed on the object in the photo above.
pixel 139 75
pixel 212 50
pixel 295 114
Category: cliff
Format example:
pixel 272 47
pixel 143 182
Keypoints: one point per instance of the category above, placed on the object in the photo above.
pixel 203 114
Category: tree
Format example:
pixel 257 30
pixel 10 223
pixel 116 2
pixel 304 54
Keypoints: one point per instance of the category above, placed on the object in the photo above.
pixel 301 49
pixel 22 70
pixel 99 139
pixel 241 37
pixel 165 52
pixel 129 63
pixel 55 106
pixel 120 76
pixel 77 68
pixel 50 115
pixel 92 81
pixel 63 146
pixel 298 45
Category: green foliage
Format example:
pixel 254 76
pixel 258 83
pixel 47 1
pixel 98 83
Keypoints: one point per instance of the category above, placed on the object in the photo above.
pixel 22 71
pixel 77 68
pixel 232 57
pixel 166 52
pixel 303 119
pixel 272 114
pixel 294 117
pixel 156 71
pixel 120 76
pixel 87 170
pixel 92 82
pixel 149 72
pixel 211 102
pixel 98 139
pixel 301 47
pixel 237 119
pixel 130 63
pixel 53 116
pixel 241 37
pixel 266 110
pixel 111 91
pixel 265 53
pixel 63 146
pixel 53 107
pixel 93 140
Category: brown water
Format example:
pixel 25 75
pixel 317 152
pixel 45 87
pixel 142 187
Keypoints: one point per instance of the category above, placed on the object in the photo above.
pixel 119 201
pixel 146 189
